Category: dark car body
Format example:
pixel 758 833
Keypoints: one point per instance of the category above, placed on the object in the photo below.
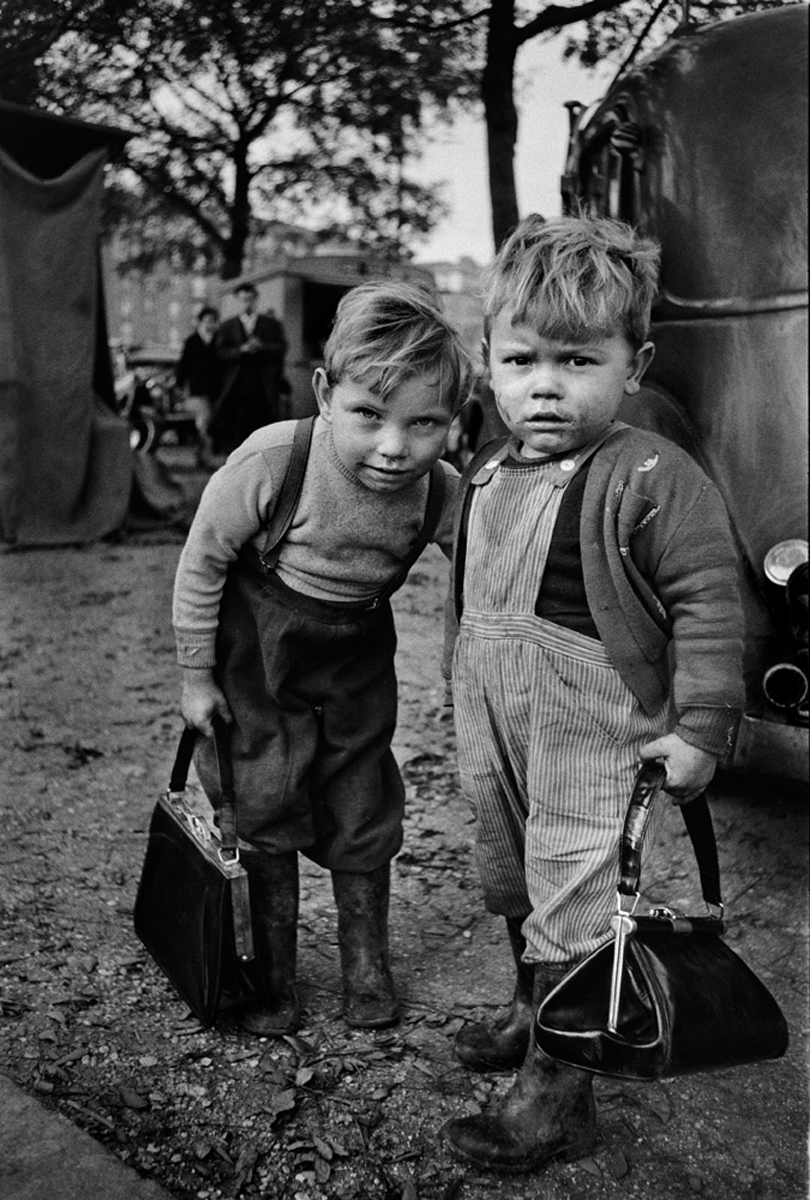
pixel 703 147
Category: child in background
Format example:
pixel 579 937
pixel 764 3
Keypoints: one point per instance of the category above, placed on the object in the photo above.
pixel 600 625
pixel 294 643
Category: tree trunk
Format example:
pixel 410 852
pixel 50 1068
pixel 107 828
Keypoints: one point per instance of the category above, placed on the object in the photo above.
pixel 497 93
pixel 234 247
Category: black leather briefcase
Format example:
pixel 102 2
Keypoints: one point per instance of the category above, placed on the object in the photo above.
pixel 667 996
pixel 192 909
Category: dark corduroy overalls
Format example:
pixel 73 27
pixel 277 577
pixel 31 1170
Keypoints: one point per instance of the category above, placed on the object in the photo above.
pixel 313 692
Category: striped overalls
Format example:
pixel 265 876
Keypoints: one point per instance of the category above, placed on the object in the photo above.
pixel 548 733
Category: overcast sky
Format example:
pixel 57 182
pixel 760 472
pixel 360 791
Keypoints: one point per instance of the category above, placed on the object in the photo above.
pixel 459 155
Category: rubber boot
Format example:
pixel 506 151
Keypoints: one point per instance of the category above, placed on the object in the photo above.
pixel 273 884
pixel 548 1112
pixel 369 999
pixel 503 1045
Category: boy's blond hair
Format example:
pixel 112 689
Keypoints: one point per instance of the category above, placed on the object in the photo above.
pixel 575 276
pixel 388 331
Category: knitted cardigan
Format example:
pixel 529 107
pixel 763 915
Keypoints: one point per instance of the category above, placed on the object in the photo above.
pixel 661 578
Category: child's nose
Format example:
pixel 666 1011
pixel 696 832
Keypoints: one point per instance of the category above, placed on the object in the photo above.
pixel 392 442
pixel 545 380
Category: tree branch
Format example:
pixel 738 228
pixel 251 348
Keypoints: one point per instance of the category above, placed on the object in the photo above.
pixel 556 17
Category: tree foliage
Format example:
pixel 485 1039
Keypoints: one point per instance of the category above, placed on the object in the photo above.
pixel 598 30
pixel 298 111
pixel 272 109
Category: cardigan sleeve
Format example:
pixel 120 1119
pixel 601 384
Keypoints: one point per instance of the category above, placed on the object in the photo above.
pixel 696 579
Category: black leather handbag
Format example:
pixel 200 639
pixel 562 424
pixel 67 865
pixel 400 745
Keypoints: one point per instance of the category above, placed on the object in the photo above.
pixel 192 910
pixel 667 996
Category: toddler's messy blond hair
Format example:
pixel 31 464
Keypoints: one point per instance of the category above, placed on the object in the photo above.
pixel 388 331
pixel 575 276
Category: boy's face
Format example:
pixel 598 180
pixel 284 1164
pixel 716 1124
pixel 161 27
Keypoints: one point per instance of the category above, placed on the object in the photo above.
pixel 385 444
pixel 556 395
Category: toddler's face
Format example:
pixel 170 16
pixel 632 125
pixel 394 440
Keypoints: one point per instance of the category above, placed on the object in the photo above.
pixel 556 395
pixel 385 444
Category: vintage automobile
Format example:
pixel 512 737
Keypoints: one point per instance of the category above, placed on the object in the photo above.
pixel 703 147
pixel 150 401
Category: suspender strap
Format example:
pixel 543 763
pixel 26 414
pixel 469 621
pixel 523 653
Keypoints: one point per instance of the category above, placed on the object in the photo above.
pixel 289 495
pixel 437 488
pixel 491 453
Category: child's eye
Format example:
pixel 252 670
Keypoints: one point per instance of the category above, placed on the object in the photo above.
pixel 518 360
pixel 426 422
pixel 580 360
pixel 368 414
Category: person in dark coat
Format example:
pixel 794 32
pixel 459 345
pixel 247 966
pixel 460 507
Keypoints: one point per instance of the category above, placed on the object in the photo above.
pixel 199 374
pixel 251 348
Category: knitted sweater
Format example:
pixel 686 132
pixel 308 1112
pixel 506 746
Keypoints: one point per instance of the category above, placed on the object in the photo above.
pixel 345 542
pixel 660 570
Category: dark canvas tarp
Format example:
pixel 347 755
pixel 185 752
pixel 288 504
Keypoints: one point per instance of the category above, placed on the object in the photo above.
pixel 65 462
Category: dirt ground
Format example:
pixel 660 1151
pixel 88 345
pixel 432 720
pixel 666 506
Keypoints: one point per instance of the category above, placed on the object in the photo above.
pixel 90 1026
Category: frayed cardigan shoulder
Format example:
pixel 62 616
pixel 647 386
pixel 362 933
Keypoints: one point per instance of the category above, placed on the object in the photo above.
pixel 661 577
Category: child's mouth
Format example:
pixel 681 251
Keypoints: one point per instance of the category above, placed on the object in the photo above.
pixel 387 472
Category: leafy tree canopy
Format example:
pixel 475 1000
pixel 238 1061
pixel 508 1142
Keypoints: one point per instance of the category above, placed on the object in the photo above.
pixel 262 108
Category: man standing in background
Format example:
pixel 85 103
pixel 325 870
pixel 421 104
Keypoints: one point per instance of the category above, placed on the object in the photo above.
pixel 199 374
pixel 251 349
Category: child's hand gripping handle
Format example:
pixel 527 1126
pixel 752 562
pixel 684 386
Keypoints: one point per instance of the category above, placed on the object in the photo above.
pixel 649 781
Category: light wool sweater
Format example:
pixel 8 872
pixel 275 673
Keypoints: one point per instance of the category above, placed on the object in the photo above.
pixel 345 543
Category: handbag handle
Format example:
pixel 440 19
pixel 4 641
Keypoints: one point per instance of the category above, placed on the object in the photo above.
pixel 226 810
pixel 698 820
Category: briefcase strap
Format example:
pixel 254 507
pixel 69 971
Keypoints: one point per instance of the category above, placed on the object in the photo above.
pixel 226 810
pixel 242 925
pixel 240 894
pixel 698 821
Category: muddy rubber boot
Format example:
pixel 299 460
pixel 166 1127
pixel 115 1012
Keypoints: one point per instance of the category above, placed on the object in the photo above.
pixel 273 883
pixel 549 1111
pixel 503 1045
pixel 369 999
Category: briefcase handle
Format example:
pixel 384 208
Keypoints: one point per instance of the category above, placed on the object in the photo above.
pixel 226 809
pixel 698 820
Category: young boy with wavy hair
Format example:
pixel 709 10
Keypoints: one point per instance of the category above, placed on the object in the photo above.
pixel 287 633
pixel 595 622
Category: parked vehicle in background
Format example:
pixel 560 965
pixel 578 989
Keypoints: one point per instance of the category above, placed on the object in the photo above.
pixel 147 397
pixel 703 147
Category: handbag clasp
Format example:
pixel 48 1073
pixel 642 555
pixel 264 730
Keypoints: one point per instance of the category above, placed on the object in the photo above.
pixel 623 927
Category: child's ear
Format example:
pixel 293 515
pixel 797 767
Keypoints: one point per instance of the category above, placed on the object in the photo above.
pixel 323 393
pixel 636 368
